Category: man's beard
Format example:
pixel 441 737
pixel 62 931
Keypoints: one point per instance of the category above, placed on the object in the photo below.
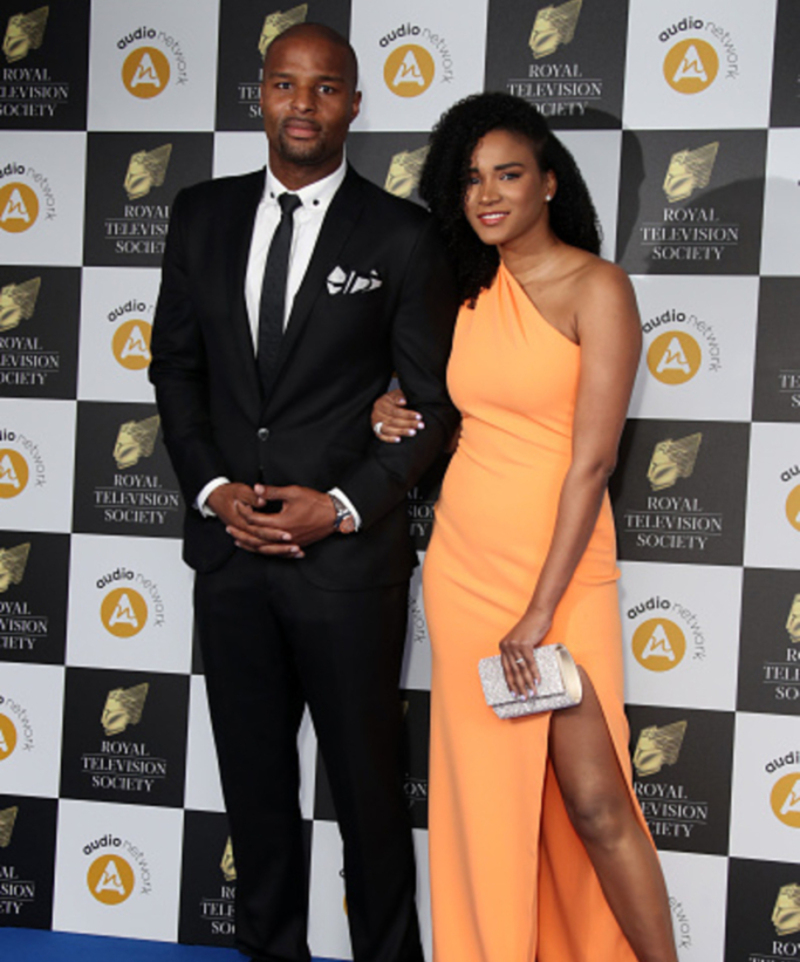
pixel 307 155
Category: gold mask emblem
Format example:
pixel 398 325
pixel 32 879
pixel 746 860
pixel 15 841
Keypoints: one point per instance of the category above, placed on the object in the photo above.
pixel 553 27
pixel 7 818
pixel 227 864
pixel 658 747
pixel 25 32
pixel 18 302
pixel 793 621
pixel 12 565
pixel 672 460
pixel 275 23
pixel 146 169
pixel 786 914
pixel 123 707
pixel 136 439
pixel 404 172
pixel 689 170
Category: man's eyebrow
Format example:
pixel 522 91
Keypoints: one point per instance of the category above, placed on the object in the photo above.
pixel 322 78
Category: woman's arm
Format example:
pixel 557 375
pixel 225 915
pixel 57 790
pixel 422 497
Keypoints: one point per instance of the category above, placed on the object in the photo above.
pixel 610 341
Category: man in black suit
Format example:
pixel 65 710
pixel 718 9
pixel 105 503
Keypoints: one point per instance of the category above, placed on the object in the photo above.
pixel 275 330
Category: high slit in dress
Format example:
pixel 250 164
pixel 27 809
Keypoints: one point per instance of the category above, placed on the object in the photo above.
pixel 510 879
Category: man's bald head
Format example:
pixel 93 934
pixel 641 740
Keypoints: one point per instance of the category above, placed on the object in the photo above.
pixel 319 31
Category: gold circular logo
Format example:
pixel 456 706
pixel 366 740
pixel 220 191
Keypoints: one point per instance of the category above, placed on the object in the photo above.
pixel 8 737
pixel 19 207
pixel 13 473
pixel 659 644
pixel 674 357
pixel 110 879
pixel 145 72
pixel 793 508
pixel 409 70
pixel 691 66
pixel 785 799
pixel 123 612
pixel 131 344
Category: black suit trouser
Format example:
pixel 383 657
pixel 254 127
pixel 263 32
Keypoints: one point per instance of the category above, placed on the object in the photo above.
pixel 273 642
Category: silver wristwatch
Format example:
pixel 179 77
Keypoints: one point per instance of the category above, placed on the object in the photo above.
pixel 345 523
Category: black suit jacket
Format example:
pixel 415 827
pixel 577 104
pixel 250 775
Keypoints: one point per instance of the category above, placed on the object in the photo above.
pixel 347 334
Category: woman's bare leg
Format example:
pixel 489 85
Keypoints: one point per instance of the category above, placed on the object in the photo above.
pixel 599 805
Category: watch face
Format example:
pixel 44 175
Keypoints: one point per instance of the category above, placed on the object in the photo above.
pixel 347 524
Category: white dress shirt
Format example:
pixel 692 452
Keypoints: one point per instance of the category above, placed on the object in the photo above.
pixel 315 200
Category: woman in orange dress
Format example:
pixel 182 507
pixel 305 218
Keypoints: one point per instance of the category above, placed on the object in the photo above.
pixel 539 852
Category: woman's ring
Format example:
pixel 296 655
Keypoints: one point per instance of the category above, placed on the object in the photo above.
pixel 520 661
pixel 377 428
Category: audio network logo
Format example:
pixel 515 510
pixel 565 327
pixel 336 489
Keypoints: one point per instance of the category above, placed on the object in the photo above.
pixel 275 23
pixel 131 344
pixel 123 612
pixel 18 303
pixel 691 64
pixel 25 32
pixel 146 71
pixel 404 172
pixel 410 68
pixel 14 473
pixel 8 817
pixel 13 719
pixel 793 498
pixel 672 460
pixel 785 795
pixel 146 170
pixel 657 747
pixel 675 356
pixel 123 707
pixel 786 913
pixel 12 566
pixel 659 644
pixel 110 879
pixel 19 207
pixel 689 170
pixel 554 27
pixel 135 440
pixel 20 202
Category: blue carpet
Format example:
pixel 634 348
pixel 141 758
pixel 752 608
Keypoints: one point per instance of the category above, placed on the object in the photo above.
pixel 36 945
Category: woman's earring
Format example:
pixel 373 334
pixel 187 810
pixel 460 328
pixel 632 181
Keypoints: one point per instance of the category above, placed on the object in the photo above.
pixel 548 197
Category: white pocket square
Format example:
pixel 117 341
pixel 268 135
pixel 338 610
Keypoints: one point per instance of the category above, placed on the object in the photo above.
pixel 341 281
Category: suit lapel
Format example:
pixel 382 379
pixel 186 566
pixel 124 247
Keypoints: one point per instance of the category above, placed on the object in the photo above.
pixel 339 222
pixel 241 232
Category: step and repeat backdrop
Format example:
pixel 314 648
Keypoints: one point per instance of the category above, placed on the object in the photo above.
pixel 686 123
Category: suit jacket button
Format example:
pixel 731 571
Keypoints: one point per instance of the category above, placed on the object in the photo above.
pixel 263 434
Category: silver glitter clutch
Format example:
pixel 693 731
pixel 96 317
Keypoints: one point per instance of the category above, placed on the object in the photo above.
pixel 560 686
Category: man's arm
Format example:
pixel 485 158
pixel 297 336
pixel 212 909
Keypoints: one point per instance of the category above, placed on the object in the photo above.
pixel 179 372
pixel 422 333
pixel 422 330
pixel 180 375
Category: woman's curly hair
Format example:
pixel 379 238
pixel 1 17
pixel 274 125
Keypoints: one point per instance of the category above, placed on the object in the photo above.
pixel 444 181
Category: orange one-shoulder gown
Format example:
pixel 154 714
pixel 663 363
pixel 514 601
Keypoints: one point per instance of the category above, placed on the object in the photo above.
pixel 510 879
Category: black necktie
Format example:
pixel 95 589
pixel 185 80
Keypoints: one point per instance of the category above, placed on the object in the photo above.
pixel 273 291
